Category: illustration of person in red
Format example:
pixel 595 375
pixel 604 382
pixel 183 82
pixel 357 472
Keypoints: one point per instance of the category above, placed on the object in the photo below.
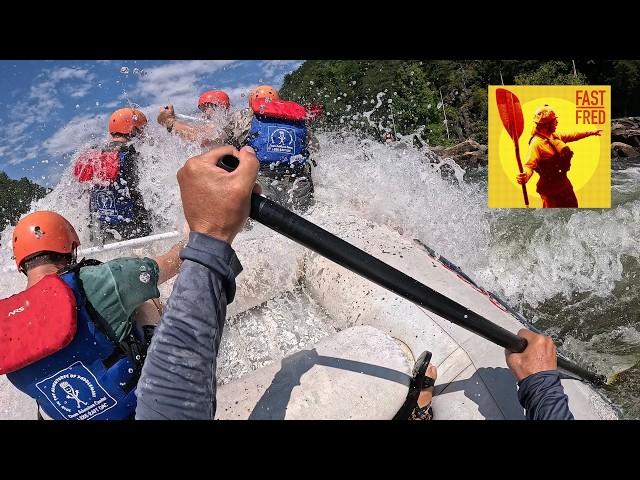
pixel 550 157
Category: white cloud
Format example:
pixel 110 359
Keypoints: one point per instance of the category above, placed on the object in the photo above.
pixel 40 104
pixel 239 95
pixel 170 72
pixel 20 154
pixel 14 130
pixel 45 93
pixel 76 133
pixel 176 82
pixel 67 73
pixel 45 96
pixel 79 91
pixel 31 152
pixel 273 70
pixel 180 83
pixel 23 154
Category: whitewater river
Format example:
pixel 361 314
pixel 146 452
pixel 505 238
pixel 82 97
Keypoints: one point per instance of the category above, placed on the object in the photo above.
pixel 574 273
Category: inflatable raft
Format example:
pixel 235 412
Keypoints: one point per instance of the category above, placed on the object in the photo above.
pixel 362 342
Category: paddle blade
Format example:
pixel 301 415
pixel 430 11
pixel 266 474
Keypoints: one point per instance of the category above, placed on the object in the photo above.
pixel 510 113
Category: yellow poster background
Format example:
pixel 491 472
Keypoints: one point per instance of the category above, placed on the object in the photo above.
pixel 590 171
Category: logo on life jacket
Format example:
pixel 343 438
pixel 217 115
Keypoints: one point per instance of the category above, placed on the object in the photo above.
pixel 16 311
pixel 281 140
pixel 105 200
pixel 76 393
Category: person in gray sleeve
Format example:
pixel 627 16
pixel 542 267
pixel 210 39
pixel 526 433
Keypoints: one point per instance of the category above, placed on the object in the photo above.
pixel 536 369
pixel 178 379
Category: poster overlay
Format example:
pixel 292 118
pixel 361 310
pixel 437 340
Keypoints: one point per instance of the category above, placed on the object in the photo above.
pixel 549 146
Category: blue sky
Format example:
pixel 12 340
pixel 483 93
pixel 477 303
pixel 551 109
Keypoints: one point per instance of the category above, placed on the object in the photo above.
pixel 50 108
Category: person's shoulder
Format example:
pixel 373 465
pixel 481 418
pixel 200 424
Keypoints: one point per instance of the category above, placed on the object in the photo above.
pixel 132 263
pixel 121 265
pixel 123 274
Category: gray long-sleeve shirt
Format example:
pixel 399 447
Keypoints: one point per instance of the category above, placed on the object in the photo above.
pixel 178 378
pixel 543 398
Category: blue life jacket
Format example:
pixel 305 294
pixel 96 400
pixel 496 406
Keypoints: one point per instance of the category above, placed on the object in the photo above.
pixel 91 378
pixel 113 202
pixel 278 134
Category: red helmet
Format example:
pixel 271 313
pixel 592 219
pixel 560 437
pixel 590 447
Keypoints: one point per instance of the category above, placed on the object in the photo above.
pixel 43 231
pixel 214 97
pixel 264 91
pixel 125 120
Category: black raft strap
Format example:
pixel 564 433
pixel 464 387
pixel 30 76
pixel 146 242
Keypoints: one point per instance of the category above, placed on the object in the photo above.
pixel 137 353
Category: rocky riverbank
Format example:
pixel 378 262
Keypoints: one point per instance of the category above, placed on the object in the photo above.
pixel 625 143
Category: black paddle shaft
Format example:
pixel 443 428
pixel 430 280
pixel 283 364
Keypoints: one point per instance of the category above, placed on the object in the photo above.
pixel 343 253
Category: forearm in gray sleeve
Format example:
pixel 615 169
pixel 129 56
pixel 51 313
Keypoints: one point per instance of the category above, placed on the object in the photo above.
pixel 543 398
pixel 178 378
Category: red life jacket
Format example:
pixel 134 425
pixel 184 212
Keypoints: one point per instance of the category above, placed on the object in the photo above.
pixel 95 164
pixel 279 109
pixel 30 329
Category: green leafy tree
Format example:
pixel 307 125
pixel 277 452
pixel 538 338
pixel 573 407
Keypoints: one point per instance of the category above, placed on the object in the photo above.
pixel 552 73
pixel 16 197
pixel 409 92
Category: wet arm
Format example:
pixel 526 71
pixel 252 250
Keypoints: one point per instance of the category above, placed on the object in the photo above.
pixel 235 133
pixel 169 263
pixel 186 131
pixel 178 379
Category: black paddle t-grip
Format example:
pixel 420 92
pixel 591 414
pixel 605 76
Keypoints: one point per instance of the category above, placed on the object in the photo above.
pixel 229 163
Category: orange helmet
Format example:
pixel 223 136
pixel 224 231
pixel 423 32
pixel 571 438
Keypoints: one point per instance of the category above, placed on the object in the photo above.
pixel 43 231
pixel 544 115
pixel 263 91
pixel 214 97
pixel 124 120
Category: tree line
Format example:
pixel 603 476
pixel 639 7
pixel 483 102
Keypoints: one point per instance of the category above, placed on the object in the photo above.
pixel 378 97
pixel 16 197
